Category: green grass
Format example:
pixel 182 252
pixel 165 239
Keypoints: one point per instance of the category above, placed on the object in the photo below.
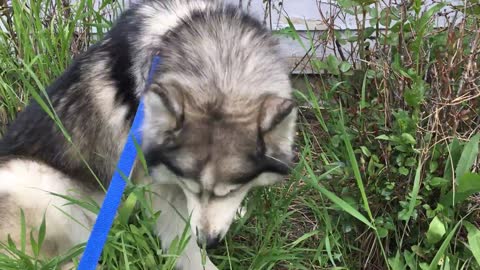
pixel 388 169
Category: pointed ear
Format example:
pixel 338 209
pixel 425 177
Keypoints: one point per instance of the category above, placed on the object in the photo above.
pixel 165 107
pixel 274 110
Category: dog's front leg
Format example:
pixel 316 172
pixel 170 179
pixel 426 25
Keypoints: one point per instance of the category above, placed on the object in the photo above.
pixel 169 199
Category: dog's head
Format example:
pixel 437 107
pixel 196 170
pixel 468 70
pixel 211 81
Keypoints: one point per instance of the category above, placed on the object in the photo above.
pixel 217 158
pixel 219 119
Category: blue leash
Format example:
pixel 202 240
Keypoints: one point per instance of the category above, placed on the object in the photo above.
pixel 113 197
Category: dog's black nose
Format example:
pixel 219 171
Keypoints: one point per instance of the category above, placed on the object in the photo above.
pixel 212 242
pixel 208 241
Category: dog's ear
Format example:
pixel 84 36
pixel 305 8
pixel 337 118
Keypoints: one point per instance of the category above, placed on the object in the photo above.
pixel 277 123
pixel 273 112
pixel 165 107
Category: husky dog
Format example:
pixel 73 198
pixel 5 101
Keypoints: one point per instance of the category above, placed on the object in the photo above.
pixel 219 120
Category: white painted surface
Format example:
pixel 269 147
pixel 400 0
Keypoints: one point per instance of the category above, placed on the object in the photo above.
pixel 311 15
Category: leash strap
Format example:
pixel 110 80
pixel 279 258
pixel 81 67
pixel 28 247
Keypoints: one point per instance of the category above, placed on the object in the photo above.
pixel 113 197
